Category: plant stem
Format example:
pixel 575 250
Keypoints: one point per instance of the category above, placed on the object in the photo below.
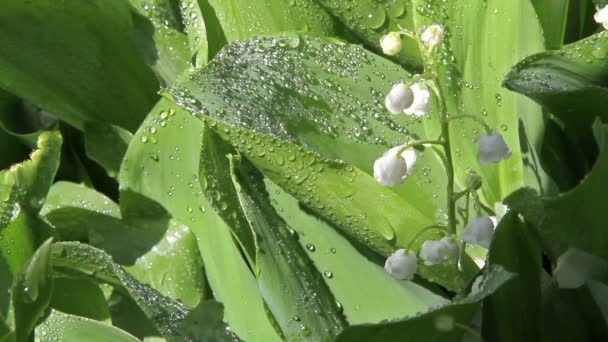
pixel 449 163
pixel 465 221
pixel 418 143
pixel 475 118
pixel 439 227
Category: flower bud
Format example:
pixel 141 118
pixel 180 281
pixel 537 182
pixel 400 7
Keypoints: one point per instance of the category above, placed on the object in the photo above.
pixel 390 169
pixel 473 181
pixel 399 98
pixel 421 105
pixel 391 43
pixel 433 36
pixel 479 231
pixel 402 265
pixel 492 148
pixel 575 267
pixel 601 17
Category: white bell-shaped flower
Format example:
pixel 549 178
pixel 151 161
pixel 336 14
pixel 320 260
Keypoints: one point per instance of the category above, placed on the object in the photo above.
pixel 399 98
pixel 601 17
pixel 479 231
pixel 390 169
pixel 421 105
pixel 402 265
pixel 575 267
pixel 391 44
pixel 492 148
pixel 433 36
pixel 435 252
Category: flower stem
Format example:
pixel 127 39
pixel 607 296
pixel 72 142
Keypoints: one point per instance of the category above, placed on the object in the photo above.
pixel 439 227
pixel 418 143
pixel 449 163
pixel 476 118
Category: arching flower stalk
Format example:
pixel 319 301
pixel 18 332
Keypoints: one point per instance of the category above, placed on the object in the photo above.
pixel 392 168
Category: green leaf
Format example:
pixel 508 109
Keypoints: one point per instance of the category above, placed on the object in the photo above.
pixel 76 259
pixel 565 21
pixel 370 20
pixel 76 60
pixel 159 38
pixel 319 95
pixel 293 288
pixel 74 328
pixel 515 248
pixel 424 326
pixel 107 145
pixel 340 261
pixel 80 297
pixel 31 292
pixel 242 19
pixel 485 38
pixel 165 166
pixel 159 249
pixel 22 191
pixel 574 219
pixel 567 82
pixel 573 315
pixel 196 29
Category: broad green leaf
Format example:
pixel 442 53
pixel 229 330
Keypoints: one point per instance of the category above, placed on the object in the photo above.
pixel 312 92
pixel 76 60
pixel 349 274
pixel 293 288
pixel 573 315
pixel 31 292
pixel 484 39
pixel 574 219
pixel 161 252
pixel 80 297
pixel 217 182
pixel 76 259
pixel 165 166
pixel 196 29
pixel 107 145
pixel 565 21
pixel 370 20
pixel 11 150
pixel 569 82
pixel 22 191
pixel 159 38
pixel 515 248
pixel 242 19
pixel 320 95
pixel 65 327
pixel 423 327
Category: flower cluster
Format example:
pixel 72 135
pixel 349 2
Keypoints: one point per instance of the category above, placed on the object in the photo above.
pixel 396 164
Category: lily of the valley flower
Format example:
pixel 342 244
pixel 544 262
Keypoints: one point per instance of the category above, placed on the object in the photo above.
pixel 421 105
pixel 492 148
pixel 402 265
pixel 601 17
pixel 479 231
pixel 399 98
pixel 435 252
pixel 391 43
pixel 415 100
pixel 391 169
pixel 575 267
pixel 433 36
